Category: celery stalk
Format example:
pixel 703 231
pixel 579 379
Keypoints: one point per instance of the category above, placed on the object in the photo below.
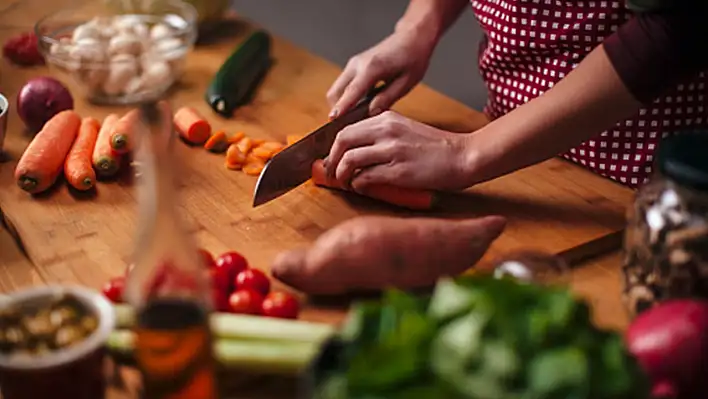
pixel 242 327
pixel 254 356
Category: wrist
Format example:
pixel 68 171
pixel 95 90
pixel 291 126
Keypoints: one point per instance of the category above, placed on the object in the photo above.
pixel 474 160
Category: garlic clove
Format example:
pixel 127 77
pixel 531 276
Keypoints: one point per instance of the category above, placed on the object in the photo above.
pixel 125 44
pixel 85 31
pixel 160 32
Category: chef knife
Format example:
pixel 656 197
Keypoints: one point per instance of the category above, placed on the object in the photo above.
pixel 293 165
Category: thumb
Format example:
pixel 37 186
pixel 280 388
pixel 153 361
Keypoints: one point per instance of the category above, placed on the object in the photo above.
pixel 290 267
pixel 491 227
pixel 390 95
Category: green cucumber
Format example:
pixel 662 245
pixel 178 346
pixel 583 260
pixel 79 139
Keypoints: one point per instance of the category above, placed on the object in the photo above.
pixel 238 77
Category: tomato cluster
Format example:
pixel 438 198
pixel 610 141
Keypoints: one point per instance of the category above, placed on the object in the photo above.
pixel 236 288
pixel 241 289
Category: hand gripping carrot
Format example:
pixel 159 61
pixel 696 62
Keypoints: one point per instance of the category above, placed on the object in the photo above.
pixel 403 197
pixel 43 160
pixel 78 169
pixel 122 135
pixel 106 162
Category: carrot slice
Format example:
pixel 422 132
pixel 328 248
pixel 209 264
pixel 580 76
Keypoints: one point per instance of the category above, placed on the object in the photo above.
pixel 43 159
pixel 192 126
pixel 217 142
pixel 257 142
pixel 403 197
pixel 77 168
pixel 263 153
pixel 105 161
pixel 292 139
pixel 245 145
pixel 234 156
pixel 123 134
pixel 253 168
pixel 236 137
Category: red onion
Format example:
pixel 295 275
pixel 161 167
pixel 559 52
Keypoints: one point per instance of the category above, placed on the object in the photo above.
pixel 40 99
pixel 670 341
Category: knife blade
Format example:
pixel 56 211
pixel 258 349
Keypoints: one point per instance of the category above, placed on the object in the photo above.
pixel 293 166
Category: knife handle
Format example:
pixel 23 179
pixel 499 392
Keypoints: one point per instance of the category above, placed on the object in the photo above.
pixel 373 92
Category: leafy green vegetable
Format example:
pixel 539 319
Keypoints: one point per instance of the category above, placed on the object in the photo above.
pixel 481 337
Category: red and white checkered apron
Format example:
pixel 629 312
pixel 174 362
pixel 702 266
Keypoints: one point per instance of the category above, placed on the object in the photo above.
pixel 532 44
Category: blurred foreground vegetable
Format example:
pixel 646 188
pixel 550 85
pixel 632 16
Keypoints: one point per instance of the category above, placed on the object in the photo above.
pixel 479 337
pixel 670 341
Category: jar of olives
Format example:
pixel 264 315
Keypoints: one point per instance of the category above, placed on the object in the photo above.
pixel 666 240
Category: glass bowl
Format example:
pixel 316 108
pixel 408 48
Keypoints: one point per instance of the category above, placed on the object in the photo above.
pixel 119 55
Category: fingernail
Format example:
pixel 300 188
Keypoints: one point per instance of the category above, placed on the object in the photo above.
pixel 375 111
pixel 333 113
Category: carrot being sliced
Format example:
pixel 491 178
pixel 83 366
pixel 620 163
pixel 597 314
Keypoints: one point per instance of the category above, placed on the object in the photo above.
pixel 236 137
pixel 78 170
pixel 217 142
pixel 191 126
pixel 403 197
pixel 123 133
pixel 43 159
pixel 245 145
pixel 105 161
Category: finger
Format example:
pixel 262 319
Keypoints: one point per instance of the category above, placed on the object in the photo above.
pixel 360 158
pixel 355 135
pixel 358 87
pixel 386 173
pixel 335 92
pixel 384 100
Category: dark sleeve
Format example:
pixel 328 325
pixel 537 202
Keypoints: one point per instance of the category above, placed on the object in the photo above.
pixel 655 50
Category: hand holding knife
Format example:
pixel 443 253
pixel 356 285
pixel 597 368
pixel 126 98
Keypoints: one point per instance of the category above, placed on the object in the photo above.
pixel 295 164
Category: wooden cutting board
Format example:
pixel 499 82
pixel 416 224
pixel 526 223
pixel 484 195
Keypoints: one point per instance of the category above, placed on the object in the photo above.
pixel 555 206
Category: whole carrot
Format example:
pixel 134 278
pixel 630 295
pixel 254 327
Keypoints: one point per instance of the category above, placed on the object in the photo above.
pixel 399 196
pixel 42 161
pixel 77 168
pixel 105 161
pixel 122 135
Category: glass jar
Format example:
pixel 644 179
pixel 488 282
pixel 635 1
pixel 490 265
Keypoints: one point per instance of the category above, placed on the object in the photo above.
pixel 666 240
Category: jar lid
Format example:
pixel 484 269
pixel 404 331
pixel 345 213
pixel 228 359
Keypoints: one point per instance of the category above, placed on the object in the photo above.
pixel 684 159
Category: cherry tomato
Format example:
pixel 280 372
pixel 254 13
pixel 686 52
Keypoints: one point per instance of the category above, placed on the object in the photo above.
pixel 220 280
pixel 208 258
pixel 228 265
pixel 281 305
pixel 246 301
pixel 253 279
pixel 113 289
pixel 221 300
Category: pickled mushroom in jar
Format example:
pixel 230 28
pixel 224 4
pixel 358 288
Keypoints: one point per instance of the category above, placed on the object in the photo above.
pixel 59 323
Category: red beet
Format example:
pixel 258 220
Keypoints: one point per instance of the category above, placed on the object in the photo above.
pixel 670 341
pixel 40 99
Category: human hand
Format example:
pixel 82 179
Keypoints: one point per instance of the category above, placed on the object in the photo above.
pixel 401 60
pixel 392 149
pixel 376 252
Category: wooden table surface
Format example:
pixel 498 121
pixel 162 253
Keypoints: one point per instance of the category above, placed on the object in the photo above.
pixel 63 238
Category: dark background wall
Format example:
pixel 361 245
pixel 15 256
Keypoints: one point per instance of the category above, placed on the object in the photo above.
pixel 338 29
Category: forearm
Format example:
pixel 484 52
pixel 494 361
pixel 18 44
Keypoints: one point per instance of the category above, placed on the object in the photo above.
pixel 434 16
pixel 583 104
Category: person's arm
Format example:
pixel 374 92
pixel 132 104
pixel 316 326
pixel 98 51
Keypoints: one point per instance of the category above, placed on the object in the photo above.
pixel 433 16
pixel 610 84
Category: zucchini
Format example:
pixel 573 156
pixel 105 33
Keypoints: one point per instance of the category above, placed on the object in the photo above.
pixel 239 76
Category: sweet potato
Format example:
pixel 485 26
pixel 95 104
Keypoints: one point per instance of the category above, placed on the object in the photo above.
pixel 375 252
